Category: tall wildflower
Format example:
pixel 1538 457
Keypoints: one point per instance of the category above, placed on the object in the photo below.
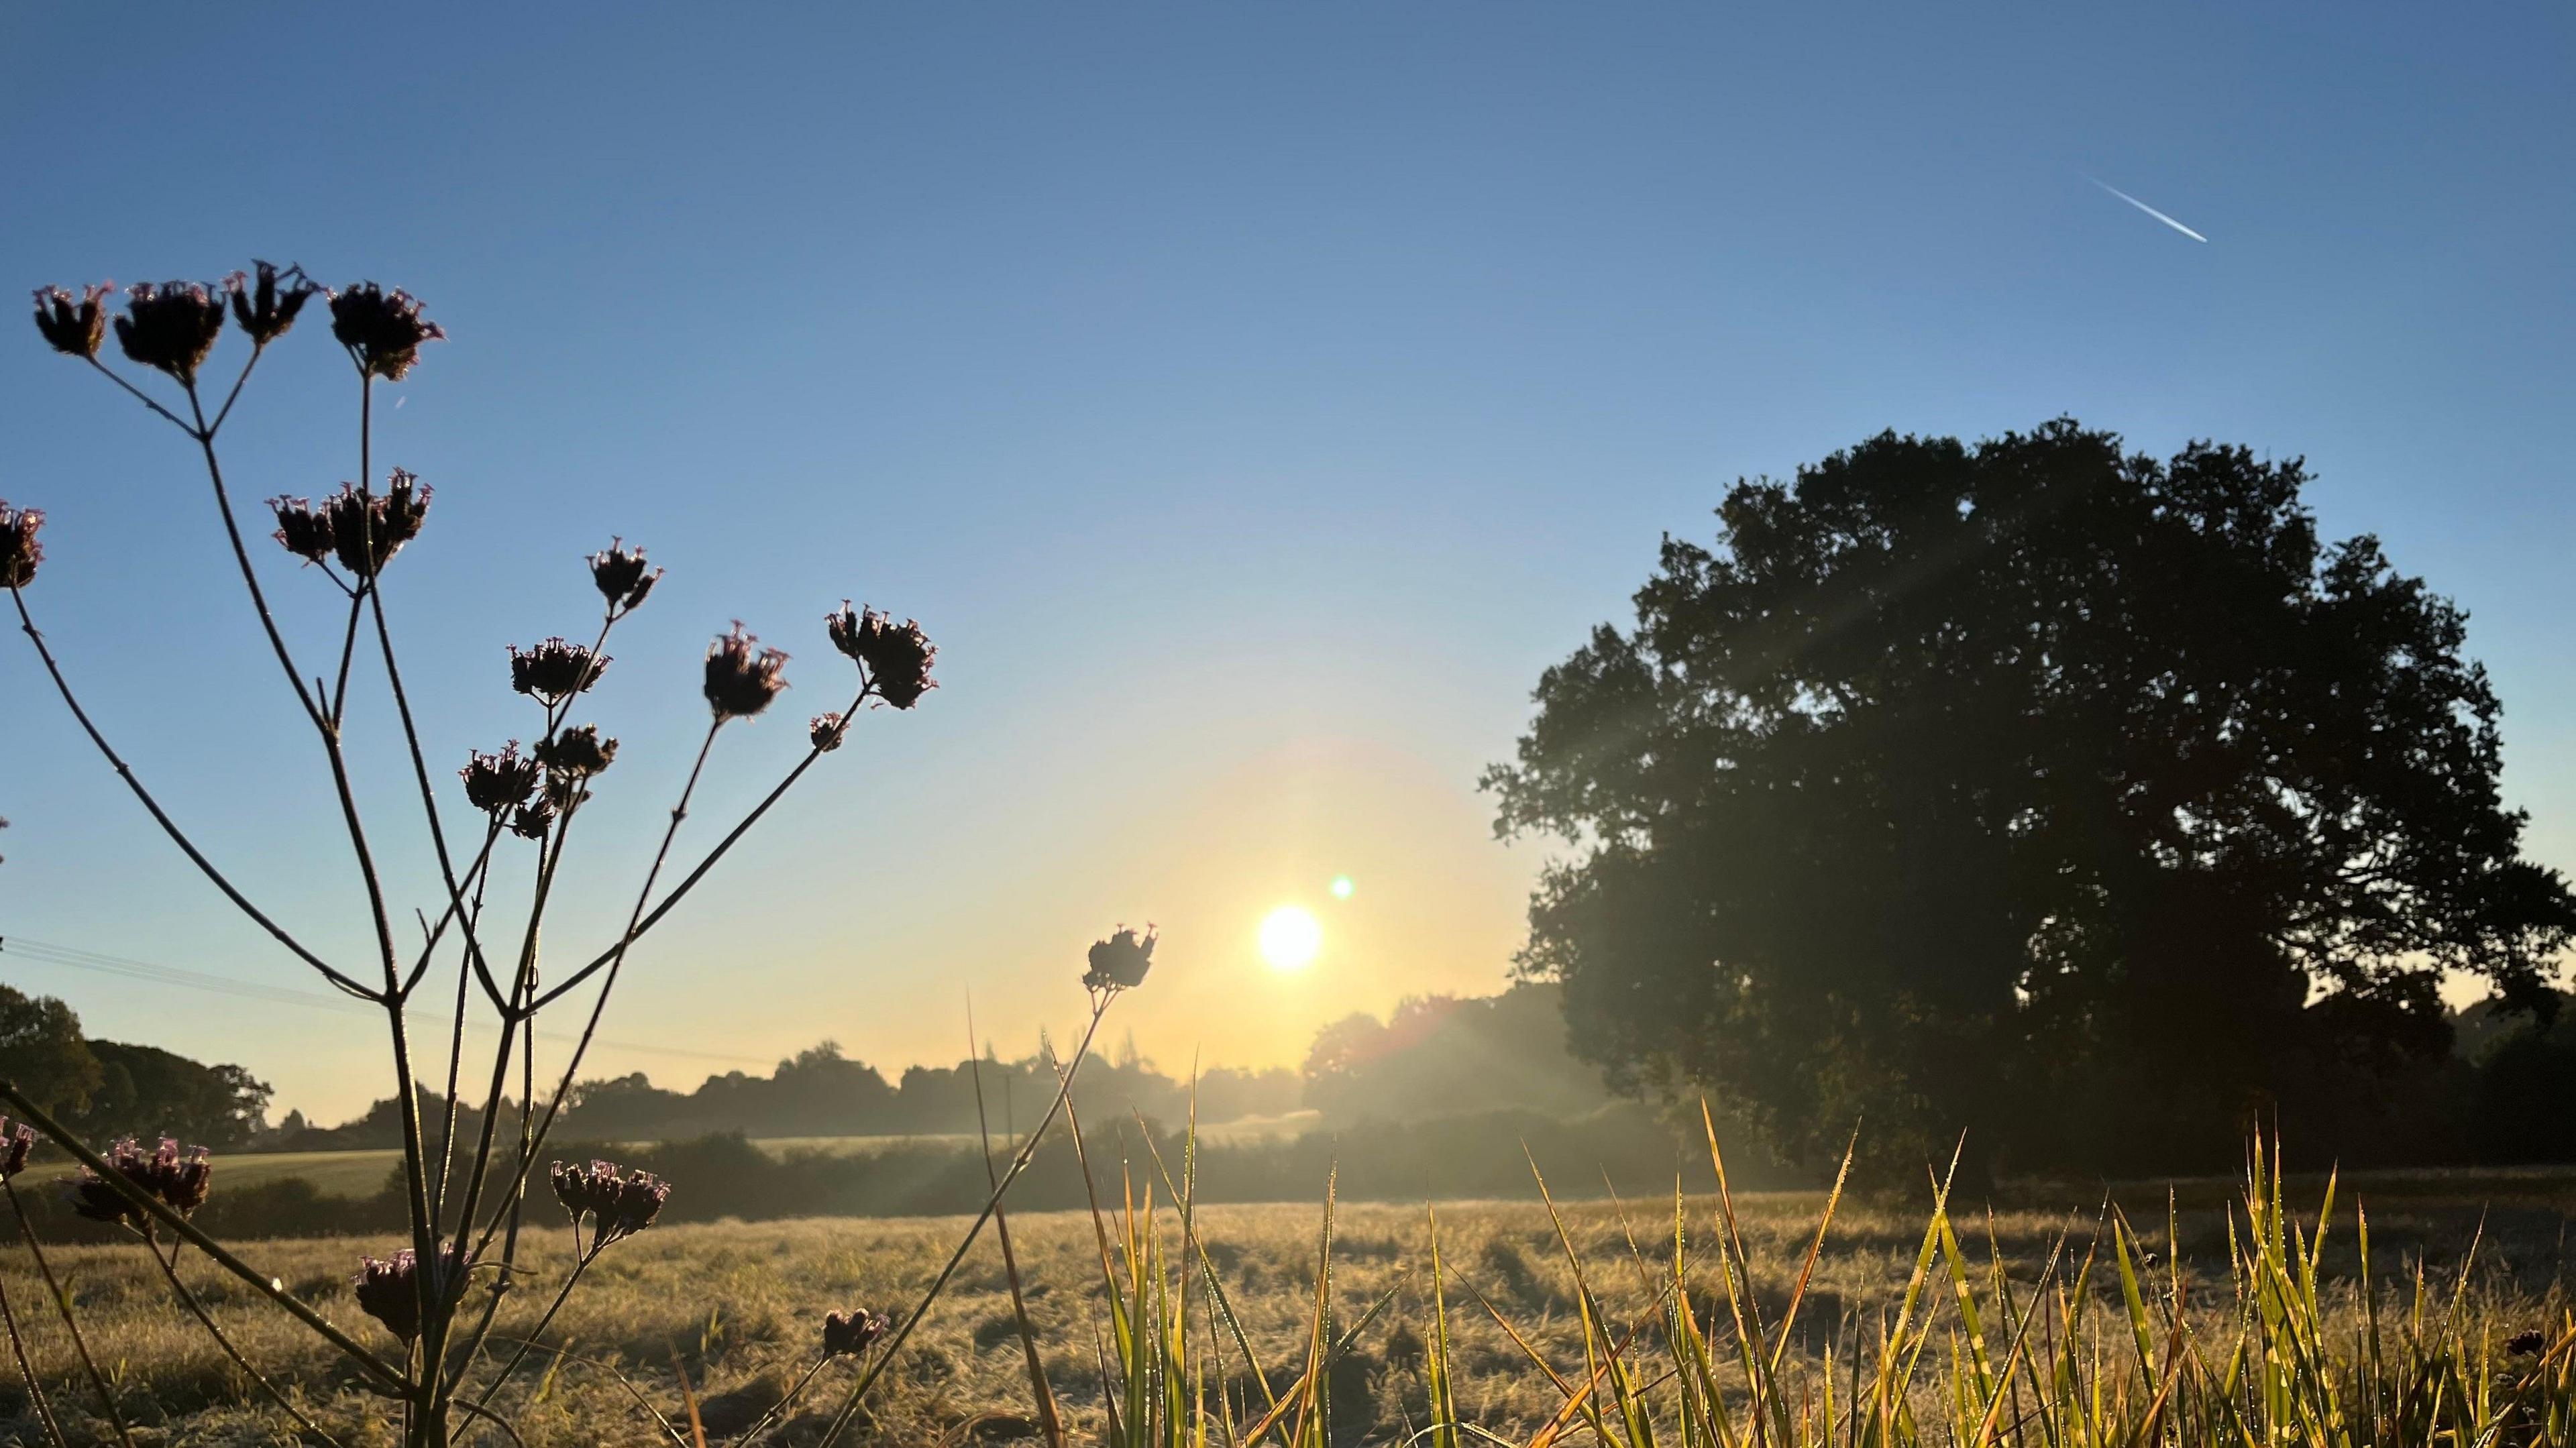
pixel 20 550
pixel 179 1179
pixel 264 309
pixel 383 330
pixel 615 1202
pixel 1120 962
pixel 73 328
pixel 619 573
pixel 742 677
pixel 368 529
pixel 389 1290
pixel 499 783
pixel 895 658
pixel 15 1143
pixel 170 327
pixel 555 670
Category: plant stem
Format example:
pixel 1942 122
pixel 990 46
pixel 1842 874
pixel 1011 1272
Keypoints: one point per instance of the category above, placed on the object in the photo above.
pixel 781 1406
pixel 859 1391
pixel 456 1037
pixel 170 1268
pixel 27 1370
pixel 522 984
pixel 563 1089
pixel 617 951
pixel 140 396
pixel 152 1206
pixel 250 575
pixel 580 1265
pixel 348 649
pixel 63 1305
pixel 197 857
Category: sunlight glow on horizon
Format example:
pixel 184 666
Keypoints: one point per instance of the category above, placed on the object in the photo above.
pixel 1291 937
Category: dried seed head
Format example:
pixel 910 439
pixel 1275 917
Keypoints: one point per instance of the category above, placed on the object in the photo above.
pixel 383 330
pixel 368 529
pixel 826 731
pixel 555 670
pixel 20 551
pixel 565 793
pixel 263 308
pixel 742 677
pixel 895 657
pixel 847 1334
pixel 178 1179
pixel 2526 1342
pixel 619 573
pixel 15 1143
pixel 170 327
pixel 499 783
pixel 1120 962
pixel 389 1291
pixel 302 529
pixel 533 820
pixel 614 1202
pixel 73 328
pixel 577 753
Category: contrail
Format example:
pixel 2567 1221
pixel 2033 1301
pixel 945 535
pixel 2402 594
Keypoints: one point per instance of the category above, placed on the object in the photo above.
pixel 2151 211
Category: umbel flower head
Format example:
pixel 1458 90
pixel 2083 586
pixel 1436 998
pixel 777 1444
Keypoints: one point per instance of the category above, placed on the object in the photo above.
pixel 368 529
pixel 383 330
pixel 73 328
pixel 179 1180
pixel 847 1334
pixel 577 753
pixel 555 670
pixel 389 1287
pixel 615 1202
pixel 170 327
pixel 827 731
pixel 303 529
pixel 1120 962
pixel 742 677
pixel 263 308
pixel 896 658
pixel 20 551
pixel 15 1143
pixel 532 820
pixel 499 783
pixel 619 573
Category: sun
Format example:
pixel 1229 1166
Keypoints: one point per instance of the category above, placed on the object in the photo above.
pixel 1290 937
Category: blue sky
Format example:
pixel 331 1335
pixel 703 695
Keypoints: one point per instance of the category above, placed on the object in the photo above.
pixel 1250 401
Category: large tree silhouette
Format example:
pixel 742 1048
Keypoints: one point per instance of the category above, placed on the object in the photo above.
pixel 2084 803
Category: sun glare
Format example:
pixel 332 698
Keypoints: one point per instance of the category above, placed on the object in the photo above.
pixel 1290 937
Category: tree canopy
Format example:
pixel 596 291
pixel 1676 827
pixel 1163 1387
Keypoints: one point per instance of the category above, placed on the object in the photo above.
pixel 2031 788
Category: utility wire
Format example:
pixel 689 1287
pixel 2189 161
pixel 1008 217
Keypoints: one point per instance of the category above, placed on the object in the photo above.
pixel 69 957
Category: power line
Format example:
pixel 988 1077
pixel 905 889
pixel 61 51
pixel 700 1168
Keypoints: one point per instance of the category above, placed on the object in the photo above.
pixel 74 958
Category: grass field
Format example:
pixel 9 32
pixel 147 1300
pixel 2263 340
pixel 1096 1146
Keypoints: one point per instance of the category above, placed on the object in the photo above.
pixel 736 1307
pixel 362 1173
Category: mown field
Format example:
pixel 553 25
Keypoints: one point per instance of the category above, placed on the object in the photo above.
pixel 361 1173
pixel 736 1307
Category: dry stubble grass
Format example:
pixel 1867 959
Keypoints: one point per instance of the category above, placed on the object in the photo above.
pixel 738 1305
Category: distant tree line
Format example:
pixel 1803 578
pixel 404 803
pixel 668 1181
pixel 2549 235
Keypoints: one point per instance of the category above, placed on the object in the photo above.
pixel 109 1089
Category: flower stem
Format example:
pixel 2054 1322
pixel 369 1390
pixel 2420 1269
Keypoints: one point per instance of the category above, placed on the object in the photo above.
pixel 63 1305
pixel 170 827
pixel 580 1265
pixel 170 1268
pixel 152 1206
pixel 27 1370
pixel 859 1391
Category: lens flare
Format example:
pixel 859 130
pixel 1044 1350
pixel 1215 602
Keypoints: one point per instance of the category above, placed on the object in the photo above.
pixel 1342 887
